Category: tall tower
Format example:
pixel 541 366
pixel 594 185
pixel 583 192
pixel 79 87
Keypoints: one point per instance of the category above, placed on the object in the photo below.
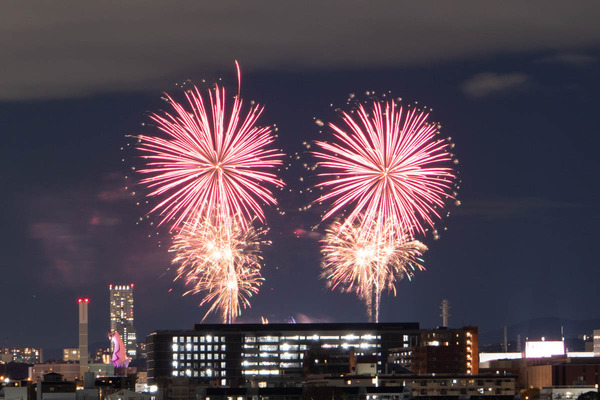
pixel 83 336
pixel 445 312
pixel 121 315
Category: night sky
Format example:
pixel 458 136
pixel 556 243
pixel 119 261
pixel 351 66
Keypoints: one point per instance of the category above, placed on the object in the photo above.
pixel 515 84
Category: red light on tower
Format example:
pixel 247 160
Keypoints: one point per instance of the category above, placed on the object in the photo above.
pixel 79 300
pixel 110 286
pixel 86 300
pixel 131 285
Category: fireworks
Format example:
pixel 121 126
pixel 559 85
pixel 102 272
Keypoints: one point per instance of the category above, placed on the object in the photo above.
pixel 220 259
pixel 388 166
pixel 212 168
pixel 212 161
pixel 387 177
pixel 368 262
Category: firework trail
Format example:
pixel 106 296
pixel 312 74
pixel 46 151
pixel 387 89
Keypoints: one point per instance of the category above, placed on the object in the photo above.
pixel 220 260
pixel 387 166
pixel 368 262
pixel 210 161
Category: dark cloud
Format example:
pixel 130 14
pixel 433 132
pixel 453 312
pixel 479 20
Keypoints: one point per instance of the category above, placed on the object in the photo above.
pixel 70 258
pixel 490 83
pixel 570 58
pixel 73 48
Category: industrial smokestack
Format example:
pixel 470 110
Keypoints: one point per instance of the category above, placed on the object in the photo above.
pixel 83 336
pixel 445 312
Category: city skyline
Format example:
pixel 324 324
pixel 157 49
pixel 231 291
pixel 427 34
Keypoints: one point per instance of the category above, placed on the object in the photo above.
pixel 514 85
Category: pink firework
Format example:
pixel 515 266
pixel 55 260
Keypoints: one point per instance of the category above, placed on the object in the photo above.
pixel 388 166
pixel 210 161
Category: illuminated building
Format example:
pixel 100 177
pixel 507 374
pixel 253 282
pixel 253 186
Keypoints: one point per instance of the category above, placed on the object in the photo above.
pixel 70 354
pixel 448 351
pixel 236 354
pixel 69 371
pixel 596 341
pixel 121 316
pixel 27 355
pixel 103 356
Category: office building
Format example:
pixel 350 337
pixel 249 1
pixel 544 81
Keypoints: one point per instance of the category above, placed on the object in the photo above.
pixel 237 354
pixel 27 355
pixel 70 355
pixel 446 351
pixel 121 316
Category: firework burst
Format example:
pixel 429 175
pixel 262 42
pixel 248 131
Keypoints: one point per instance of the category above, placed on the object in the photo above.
pixel 368 262
pixel 387 166
pixel 222 261
pixel 211 160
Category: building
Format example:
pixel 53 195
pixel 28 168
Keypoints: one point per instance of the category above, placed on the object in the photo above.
pixel 121 316
pixel 596 343
pixel 26 355
pixel 445 386
pixel 68 371
pixel 565 392
pixel 70 354
pixel 440 351
pixel 238 354
pixel 103 356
